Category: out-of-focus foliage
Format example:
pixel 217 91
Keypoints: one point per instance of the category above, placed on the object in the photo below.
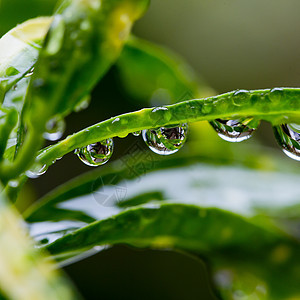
pixel 234 216
pixel 17 11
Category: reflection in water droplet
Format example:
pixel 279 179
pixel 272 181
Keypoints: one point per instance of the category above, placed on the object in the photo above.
pixel 234 130
pixel 36 171
pixel 137 133
pixel 288 138
pixel 165 140
pixel 54 129
pixel 96 154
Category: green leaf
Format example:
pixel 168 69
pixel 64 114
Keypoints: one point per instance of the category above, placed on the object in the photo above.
pixel 228 214
pixel 259 104
pixel 84 40
pixel 22 264
pixel 77 52
pixel 10 16
pixel 19 50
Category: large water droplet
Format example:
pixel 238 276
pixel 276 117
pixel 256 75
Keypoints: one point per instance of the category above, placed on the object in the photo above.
pixel 234 130
pixel 96 154
pixel 36 171
pixel 54 129
pixel 288 137
pixel 165 140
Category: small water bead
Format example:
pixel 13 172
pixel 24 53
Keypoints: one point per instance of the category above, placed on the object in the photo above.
pixel 54 129
pixel 234 130
pixel 165 140
pixel 288 138
pixel 276 95
pixel 137 133
pixel 13 183
pixel 159 114
pixel 36 171
pixel 240 97
pixel 30 72
pixel 83 104
pixel 96 154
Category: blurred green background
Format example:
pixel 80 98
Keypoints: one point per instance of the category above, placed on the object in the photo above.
pixel 232 44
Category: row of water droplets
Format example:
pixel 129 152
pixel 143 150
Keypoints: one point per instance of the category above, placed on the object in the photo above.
pixel 287 135
pixel 163 141
pixel 168 140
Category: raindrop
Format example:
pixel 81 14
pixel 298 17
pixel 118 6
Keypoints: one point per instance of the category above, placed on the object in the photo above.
pixel 136 133
pixel 83 103
pixel 165 140
pixel 234 130
pixel 240 97
pixel 13 183
pixel 276 94
pixel 96 154
pixel 288 138
pixel 36 171
pixel 54 129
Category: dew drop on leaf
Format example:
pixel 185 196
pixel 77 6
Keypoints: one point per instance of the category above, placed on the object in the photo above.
pixel 36 171
pixel 234 130
pixel 165 140
pixel 288 138
pixel 83 104
pixel 96 154
pixel 137 133
pixel 54 129
pixel 240 97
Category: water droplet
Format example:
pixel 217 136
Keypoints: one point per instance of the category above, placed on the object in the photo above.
pixel 83 104
pixel 13 183
pixel 115 120
pixel 137 133
pixel 206 108
pixel 165 140
pixel 276 95
pixel 96 154
pixel 288 137
pixel 30 72
pixel 240 97
pixel 36 171
pixel 234 130
pixel 160 114
pixel 54 129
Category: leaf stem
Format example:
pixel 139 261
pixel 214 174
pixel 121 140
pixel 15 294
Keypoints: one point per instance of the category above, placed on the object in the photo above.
pixel 280 105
